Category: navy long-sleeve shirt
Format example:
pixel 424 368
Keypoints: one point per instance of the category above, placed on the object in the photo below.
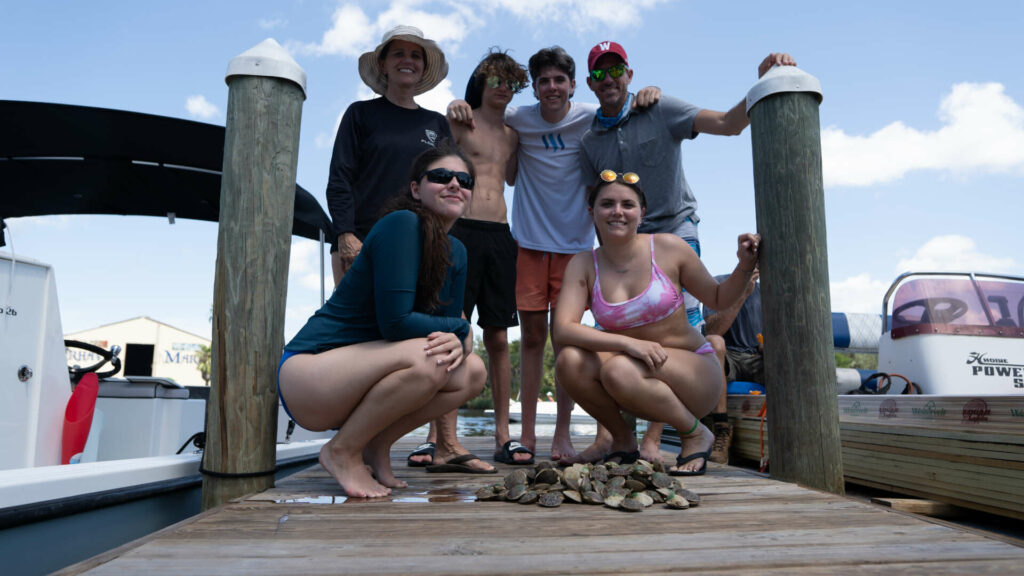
pixel 373 150
pixel 375 299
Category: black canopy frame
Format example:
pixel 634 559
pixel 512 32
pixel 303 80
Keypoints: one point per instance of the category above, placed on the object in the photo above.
pixel 65 159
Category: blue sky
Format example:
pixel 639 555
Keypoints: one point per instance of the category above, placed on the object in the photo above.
pixel 922 121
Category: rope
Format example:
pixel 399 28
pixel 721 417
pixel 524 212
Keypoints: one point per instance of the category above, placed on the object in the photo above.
pixel 199 438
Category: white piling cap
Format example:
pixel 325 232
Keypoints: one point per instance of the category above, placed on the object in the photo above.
pixel 783 79
pixel 267 58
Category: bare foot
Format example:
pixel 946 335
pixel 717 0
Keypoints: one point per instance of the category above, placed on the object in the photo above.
pixel 378 460
pixel 593 453
pixel 351 474
pixel 561 446
pixel 699 441
pixel 650 451
pixel 530 441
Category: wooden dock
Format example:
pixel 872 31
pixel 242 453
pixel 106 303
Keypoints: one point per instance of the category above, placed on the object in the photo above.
pixel 745 524
pixel 961 450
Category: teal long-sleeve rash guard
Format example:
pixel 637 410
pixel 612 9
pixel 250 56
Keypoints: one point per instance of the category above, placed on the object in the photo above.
pixel 375 299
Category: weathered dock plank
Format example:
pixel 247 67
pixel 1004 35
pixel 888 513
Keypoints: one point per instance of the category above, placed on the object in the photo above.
pixel 746 523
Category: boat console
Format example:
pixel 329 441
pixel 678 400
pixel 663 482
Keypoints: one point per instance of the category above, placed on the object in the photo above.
pixel 955 333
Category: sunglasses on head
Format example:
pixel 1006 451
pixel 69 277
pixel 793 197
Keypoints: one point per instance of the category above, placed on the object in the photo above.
pixel 597 74
pixel 612 176
pixel 494 82
pixel 444 176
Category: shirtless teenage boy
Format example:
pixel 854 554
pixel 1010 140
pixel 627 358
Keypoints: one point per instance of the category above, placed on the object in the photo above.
pixel 484 230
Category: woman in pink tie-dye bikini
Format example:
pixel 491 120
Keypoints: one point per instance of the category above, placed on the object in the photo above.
pixel 645 358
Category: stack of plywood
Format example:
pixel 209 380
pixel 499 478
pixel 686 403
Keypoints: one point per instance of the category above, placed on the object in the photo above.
pixel 963 450
pixel 749 428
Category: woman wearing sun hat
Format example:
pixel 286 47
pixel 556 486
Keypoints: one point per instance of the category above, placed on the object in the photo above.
pixel 377 138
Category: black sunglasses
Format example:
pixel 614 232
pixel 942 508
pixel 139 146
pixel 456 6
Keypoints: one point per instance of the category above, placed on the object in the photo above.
pixel 444 176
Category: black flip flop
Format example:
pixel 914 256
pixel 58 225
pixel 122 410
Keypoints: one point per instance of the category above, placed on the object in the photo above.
pixel 680 460
pixel 425 449
pixel 458 465
pixel 510 448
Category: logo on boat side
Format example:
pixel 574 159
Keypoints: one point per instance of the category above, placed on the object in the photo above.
pixel 996 367
pixel 976 410
pixel 888 409
pixel 855 409
pixel 929 410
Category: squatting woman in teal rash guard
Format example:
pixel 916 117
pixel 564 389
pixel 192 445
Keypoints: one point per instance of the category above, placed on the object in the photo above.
pixel 390 350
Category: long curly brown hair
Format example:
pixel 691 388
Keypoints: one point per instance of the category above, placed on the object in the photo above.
pixel 434 257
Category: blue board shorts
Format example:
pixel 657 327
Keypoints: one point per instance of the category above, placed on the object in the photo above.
pixel 286 355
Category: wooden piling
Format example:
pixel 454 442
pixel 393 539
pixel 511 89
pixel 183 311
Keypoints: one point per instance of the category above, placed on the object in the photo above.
pixel 266 91
pixel 799 361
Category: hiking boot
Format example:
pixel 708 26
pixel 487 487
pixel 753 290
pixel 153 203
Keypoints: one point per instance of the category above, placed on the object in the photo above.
pixel 723 440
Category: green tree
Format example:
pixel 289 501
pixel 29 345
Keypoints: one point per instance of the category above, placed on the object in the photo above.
pixel 547 384
pixel 205 359
pixel 857 361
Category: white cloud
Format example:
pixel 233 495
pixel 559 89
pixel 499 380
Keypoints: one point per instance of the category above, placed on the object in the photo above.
pixel 954 253
pixel 350 34
pixel 302 256
pixel 304 267
pixel 199 107
pixel 858 294
pixel 353 32
pixel 578 16
pixel 983 131
pixel 270 24
pixel 438 98
pixel 295 318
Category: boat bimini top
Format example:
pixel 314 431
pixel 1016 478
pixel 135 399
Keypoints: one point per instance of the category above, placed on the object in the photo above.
pixel 63 159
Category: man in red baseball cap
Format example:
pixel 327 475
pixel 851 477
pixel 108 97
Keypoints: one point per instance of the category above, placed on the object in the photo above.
pixel 649 141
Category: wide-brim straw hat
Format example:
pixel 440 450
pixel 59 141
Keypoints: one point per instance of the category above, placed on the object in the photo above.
pixel 434 71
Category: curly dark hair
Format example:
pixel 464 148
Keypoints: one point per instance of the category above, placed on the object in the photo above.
pixel 434 259
pixel 498 63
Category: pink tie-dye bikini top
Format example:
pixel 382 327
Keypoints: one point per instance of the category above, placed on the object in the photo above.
pixel 657 302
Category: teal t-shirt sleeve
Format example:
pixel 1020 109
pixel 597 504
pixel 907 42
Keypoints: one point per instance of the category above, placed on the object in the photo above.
pixel 396 263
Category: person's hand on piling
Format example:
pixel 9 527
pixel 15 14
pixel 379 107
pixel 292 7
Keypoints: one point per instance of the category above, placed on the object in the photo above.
pixel 747 251
pixel 774 59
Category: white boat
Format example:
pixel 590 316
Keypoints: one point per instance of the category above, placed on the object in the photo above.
pixel 138 469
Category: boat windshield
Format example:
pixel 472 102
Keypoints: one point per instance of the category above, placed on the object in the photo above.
pixel 955 303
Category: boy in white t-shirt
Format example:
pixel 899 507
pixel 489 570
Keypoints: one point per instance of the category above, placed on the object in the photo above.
pixel 549 217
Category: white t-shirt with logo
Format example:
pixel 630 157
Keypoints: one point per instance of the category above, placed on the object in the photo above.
pixel 549 206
